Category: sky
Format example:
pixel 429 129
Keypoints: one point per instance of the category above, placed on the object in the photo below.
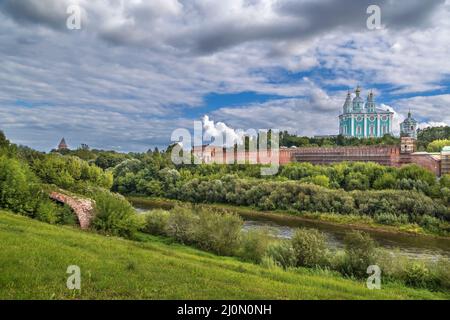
pixel 139 69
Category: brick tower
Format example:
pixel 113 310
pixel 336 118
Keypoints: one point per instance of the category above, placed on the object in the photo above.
pixel 408 145
pixel 63 145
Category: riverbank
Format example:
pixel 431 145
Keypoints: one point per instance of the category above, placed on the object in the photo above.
pixel 329 219
pixel 35 256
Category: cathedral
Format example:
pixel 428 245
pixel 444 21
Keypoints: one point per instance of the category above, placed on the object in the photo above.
pixel 363 119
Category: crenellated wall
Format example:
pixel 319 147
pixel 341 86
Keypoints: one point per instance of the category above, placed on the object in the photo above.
pixel 384 155
pixel 395 156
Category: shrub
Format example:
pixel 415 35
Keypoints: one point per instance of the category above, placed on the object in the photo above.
pixel 268 263
pixel 319 180
pixel 360 251
pixel 156 222
pixel 66 215
pixel 254 244
pixel 417 274
pixel 114 215
pixel 282 253
pixel 441 274
pixel 181 225
pixel 391 219
pixel 218 231
pixel 309 247
pixel 430 223
pixel 47 212
pixel 445 181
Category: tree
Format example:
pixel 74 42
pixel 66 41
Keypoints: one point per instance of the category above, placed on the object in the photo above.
pixel 445 181
pixel 428 135
pixel 438 145
pixel 416 173
pixel 20 190
pixel 107 160
pixel 4 143
pixel 386 181
pixel 6 148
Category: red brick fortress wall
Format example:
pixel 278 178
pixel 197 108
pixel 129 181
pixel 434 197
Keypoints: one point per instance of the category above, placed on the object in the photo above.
pixel 427 161
pixel 384 155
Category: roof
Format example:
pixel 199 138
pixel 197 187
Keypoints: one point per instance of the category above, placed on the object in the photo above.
pixel 62 144
pixel 446 149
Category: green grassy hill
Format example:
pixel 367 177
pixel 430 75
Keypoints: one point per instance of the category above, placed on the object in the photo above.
pixel 34 257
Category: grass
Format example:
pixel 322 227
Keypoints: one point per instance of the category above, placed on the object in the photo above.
pixel 34 257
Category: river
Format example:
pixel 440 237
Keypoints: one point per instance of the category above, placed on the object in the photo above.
pixel 283 226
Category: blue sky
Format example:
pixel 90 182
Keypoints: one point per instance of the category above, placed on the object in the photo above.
pixel 138 70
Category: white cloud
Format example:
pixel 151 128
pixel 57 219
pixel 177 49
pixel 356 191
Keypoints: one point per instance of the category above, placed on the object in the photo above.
pixel 220 134
pixel 428 110
pixel 138 68
pixel 398 118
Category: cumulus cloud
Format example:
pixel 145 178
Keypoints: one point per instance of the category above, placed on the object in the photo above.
pixel 294 115
pixel 206 27
pixel 220 134
pixel 398 119
pixel 428 110
pixel 140 68
pixel 424 125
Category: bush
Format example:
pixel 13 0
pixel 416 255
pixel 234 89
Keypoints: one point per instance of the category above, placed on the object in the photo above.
pixel 441 274
pixel 47 212
pixel 391 219
pixel 66 215
pixel 430 223
pixel 254 245
pixel 282 253
pixel 445 181
pixel 319 180
pixel 417 274
pixel 218 232
pixel 181 225
pixel 114 215
pixel 268 263
pixel 309 247
pixel 360 253
pixel 157 222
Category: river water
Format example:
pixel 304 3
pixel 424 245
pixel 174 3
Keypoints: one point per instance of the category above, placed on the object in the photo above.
pixel 283 226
